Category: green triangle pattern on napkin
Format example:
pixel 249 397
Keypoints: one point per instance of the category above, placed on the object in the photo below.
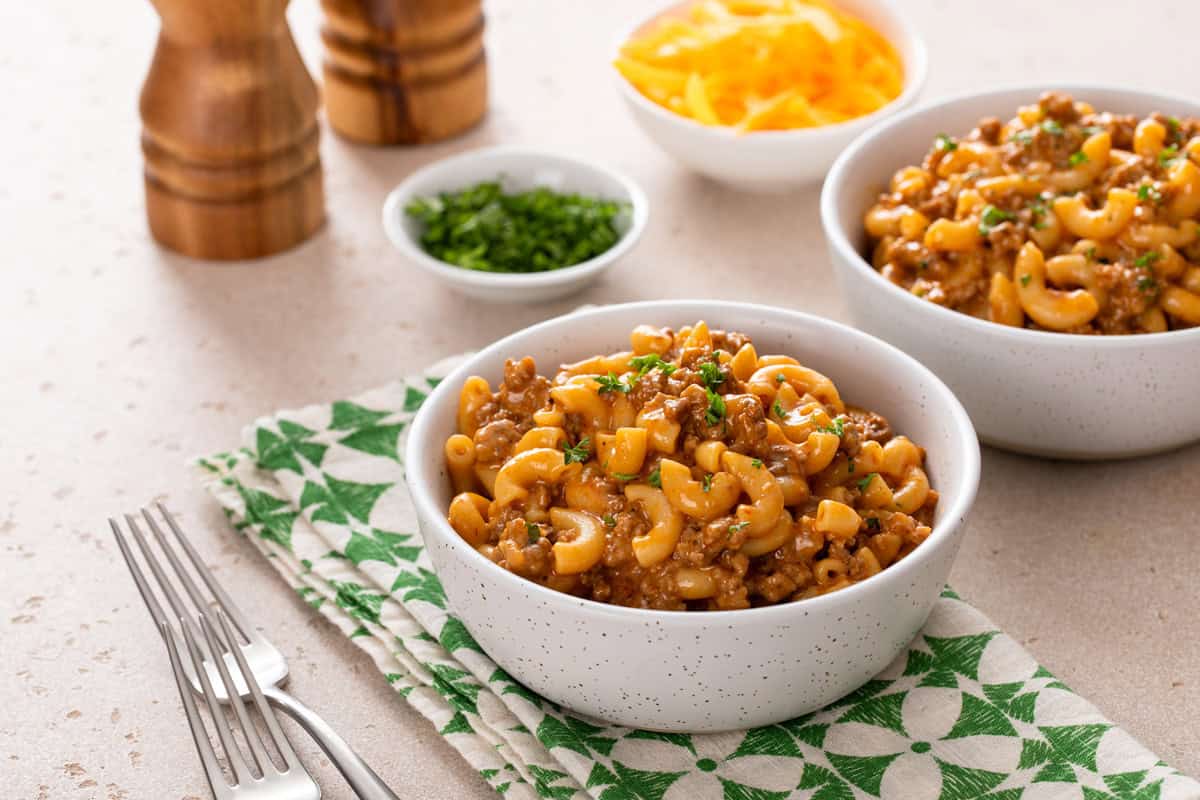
pixel 964 714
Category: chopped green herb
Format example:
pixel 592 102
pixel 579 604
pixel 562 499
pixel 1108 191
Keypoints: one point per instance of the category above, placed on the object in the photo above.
pixel 756 463
pixel 1025 279
pixel 1167 155
pixel 991 217
pixel 865 482
pixel 483 228
pixel 837 427
pixel 611 383
pixel 1090 253
pixel 737 526
pixel 644 364
pixel 1173 124
pixel 655 478
pixel 609 521
pixel 710 372
pixel 1024 138
pixel 872 523
pixel 533 532
pixel 1147 191
pixel 1077 158
pixel 716 408
pixel 850 466
pixel 780 377
pixel 1052 127
pixel 945 143
pixel 1147 284
pixel 1092 130
pixel 625 477
pixel 577 454
pixel 706 483
pixel 1146 260
pixel 777 407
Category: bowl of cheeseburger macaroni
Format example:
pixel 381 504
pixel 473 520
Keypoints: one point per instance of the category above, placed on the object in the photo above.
pixel 1039 249
pixel 691 515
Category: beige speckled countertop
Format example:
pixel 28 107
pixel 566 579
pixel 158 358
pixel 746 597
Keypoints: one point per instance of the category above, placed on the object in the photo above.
pixel 119 360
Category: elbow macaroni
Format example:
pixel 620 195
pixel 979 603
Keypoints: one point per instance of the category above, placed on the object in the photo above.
pixel 1120 196
pixel 623 480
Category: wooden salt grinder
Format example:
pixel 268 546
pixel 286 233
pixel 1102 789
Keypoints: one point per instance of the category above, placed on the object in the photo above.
pixel 403 71
pixel 229 132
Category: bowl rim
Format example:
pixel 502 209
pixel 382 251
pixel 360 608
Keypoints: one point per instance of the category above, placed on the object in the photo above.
pixel 839 240
pixel 914 81
pixel 965 442
pixel 393 213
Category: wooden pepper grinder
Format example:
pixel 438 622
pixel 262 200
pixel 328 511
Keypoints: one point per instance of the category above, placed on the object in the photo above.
pixel 229 135
pixel 403 71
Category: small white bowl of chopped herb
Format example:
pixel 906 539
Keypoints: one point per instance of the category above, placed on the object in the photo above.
pixel 511 225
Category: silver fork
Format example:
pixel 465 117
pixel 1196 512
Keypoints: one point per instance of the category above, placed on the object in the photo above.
pixel 271 783
pixel 265 662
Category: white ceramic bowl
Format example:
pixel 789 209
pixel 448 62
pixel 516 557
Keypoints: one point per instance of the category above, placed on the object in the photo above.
pixel 774 161
pixel 518 169
pixel 1048 394
pixel 703 671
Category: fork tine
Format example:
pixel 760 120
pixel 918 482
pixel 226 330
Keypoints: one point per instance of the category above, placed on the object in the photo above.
pixel 139 577
pixel 249 731
pixel 164 583
pixel 189 585
pixel 223 598
pixel 212 769
pixel 281 741
pixel 241 772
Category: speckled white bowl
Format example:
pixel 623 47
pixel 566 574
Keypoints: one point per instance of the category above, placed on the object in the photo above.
pixel 703 671
pixel 1047 394
pixel 773 161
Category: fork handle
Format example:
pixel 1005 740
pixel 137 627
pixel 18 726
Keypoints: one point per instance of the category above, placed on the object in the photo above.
pixel 362 779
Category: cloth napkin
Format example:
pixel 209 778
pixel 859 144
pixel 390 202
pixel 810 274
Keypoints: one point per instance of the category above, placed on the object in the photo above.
pixel 964 713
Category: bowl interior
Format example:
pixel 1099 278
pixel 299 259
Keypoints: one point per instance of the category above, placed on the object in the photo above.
pixel 864 169
pixel 866 371
pixel 882 15
pixel 517 171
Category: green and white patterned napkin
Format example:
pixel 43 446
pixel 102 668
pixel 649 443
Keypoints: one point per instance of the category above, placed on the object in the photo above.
pixel 964 713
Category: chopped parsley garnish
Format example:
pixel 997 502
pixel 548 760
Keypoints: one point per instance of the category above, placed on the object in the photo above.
pixel 756 463
pixel 777 407
pixel 644 364
pixel 872 523
pixel 624 477
pixel 1148 191
pixel 710 372
pixel 1092 130
pixel 706 483
pixel 1173 124
pixel 945 143
pixel 1025 279
pixel 737 526
pixel 1038 209
pixel 655 478
pixel 609 521
pixel 1023 137
pixel 1147 284
pixel 716 408
pixel 611 383
pixel 485 228
pixel 577 454
pixel 1077 158
pixel 1090 253
pixel 1146 260
pixel 1052 127
pixel 991 217
pixel 533 532
pixel 1167 155
pixel 850 466
pixel 865 482
pixel 837 427
pixel 780 377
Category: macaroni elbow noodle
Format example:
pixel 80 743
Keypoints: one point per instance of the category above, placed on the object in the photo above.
pixel 1111 203
pixel 690 473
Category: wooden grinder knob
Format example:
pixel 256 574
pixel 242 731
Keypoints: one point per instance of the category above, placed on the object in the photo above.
pixel 403 71
pixel 229 133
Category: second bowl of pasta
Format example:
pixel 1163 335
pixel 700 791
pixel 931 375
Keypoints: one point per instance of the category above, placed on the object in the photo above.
pixel 1039 248
pixel 692 516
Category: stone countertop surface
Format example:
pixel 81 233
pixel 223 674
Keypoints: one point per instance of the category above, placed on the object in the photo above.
pixel 120 360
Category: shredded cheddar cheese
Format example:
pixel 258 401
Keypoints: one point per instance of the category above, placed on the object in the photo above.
pixel 763 64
